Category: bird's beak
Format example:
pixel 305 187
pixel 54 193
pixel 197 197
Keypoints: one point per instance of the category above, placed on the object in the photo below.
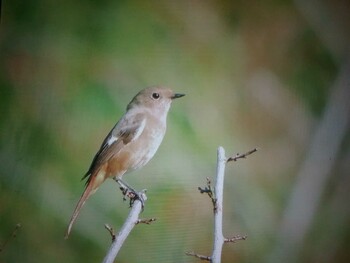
pixel 177 95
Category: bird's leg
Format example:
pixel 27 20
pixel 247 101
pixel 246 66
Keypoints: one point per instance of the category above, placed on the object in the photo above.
pixel 130 192
pixel 124 187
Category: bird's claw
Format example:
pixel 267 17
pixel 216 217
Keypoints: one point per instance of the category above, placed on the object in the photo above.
pixel 132 194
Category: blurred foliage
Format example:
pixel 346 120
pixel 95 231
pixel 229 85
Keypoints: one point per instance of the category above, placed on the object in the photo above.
pixel 255 74
pixel 312 66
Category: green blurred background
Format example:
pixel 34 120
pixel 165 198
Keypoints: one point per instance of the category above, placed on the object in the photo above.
pixel 267 74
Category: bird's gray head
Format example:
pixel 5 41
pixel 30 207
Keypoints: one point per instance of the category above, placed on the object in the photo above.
pixel 157 99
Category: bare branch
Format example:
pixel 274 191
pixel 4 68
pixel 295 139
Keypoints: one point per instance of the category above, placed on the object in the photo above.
pixel 216 196
pixel 235 239
pixel 191 253
pixel 13 235
pixel 146 221
pixel 208 190
pixel 111 231
pixel 241 156
pixel 129 224
pixel 218 212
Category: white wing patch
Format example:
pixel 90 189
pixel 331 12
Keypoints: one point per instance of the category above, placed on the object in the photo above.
pixel 139 130
pixel 111 140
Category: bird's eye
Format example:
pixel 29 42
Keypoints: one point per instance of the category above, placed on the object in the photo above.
pixel 155 96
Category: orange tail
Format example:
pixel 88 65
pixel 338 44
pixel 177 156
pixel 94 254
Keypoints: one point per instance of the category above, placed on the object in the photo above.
pixel 90 189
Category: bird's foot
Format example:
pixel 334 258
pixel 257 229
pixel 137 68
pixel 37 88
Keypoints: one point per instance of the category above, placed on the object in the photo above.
pixel 131 193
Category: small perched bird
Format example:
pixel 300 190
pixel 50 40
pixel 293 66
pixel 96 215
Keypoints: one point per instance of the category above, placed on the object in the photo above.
pixel 131 143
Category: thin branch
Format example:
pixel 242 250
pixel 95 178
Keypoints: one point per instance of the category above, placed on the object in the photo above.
pixel 13 235
pixel 146 221
pixel 216 196
pixel 202 257
pixel 241 156
pixel 208 190
pixel 218 214
pixel 131 221
pixel 235 239
pixel 111 231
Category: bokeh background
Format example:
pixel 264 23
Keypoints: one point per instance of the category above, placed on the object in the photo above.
pixel 267 74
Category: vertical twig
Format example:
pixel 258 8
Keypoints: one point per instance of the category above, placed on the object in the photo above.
pixel 217 200
pixel 218 212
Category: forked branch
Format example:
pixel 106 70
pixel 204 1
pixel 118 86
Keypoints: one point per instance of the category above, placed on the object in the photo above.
pixel 216 197
pixel 131 221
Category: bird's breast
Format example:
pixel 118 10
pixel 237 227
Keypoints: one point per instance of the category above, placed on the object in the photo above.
pixel 143 149
pixel 138 152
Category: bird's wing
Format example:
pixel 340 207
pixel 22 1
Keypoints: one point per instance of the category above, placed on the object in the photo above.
pixel 128 129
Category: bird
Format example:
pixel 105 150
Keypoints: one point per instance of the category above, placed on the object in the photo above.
pixel 131 143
